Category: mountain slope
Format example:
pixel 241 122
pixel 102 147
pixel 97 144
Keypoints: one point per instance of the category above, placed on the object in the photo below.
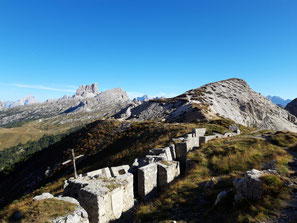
pixel 232 98
pixel 292 107
pixel 104 143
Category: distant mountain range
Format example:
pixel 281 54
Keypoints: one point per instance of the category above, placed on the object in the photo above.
pixel 27 100
pixel 146 98
pixel 279 101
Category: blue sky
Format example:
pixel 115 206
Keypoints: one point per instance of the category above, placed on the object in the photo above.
pixel 155 47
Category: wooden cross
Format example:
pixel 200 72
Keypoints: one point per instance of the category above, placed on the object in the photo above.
pixel 73 160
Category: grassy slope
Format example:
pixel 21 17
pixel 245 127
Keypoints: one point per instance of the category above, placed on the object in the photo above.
pixel 34 130
pixel 225 159
pixel 105 143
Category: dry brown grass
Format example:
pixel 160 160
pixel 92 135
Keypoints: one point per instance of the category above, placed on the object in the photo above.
pixel 225 159
pixel 40 211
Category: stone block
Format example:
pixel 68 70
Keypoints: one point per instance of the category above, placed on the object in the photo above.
pixel 199 132
pixel 167 172
pixel 147 180
pixel 104 172
pixel 103 198
pixel 155 158
pixel 205 139
pixel 119 170
pixel 172 150
pixel 181 150
pixel 158 152
pixel 128 190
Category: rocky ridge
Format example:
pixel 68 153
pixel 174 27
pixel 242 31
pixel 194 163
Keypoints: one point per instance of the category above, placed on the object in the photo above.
pixel 232 98
pixel 86 100
pixel 87 91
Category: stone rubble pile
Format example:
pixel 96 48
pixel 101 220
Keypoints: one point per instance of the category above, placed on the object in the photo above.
pixel 107 193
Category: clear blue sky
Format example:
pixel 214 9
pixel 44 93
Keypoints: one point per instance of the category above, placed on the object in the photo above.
pixel 155 47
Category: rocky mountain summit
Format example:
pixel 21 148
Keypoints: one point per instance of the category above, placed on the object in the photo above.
pixel 87 91
pixel 86 100
pixel 232 98
pixel 292 107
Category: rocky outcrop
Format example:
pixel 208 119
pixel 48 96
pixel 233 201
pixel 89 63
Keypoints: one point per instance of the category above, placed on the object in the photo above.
pixel 232 98
pixel 87 91
pixel 250 187
pixel 292 107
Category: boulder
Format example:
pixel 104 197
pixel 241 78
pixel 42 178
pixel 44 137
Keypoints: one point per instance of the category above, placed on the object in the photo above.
pixel 250 186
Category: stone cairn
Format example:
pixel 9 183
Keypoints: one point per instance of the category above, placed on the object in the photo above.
pixel 108 193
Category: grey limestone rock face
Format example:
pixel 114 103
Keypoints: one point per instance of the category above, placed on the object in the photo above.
pixel 147 180
pixel 87 91
pixel 231 98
